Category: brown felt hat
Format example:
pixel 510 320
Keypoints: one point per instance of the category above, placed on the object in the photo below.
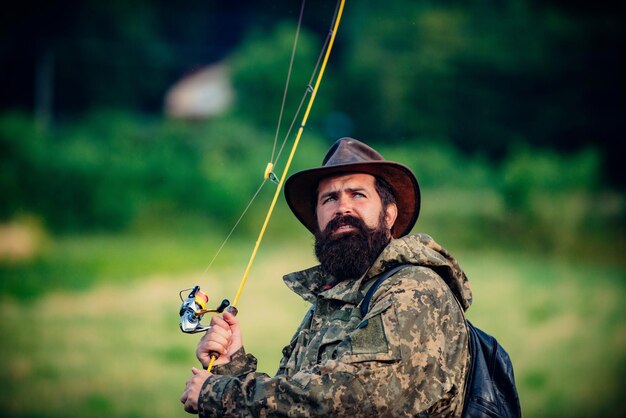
pixel 348 155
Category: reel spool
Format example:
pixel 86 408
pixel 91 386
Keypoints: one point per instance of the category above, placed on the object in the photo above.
pixel 193 309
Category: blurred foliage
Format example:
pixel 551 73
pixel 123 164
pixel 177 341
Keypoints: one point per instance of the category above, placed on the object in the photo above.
pixel 484 76
pixel 106 170
pixel 115 171
pixel 555 203
pixel 507 112
pixel 260 70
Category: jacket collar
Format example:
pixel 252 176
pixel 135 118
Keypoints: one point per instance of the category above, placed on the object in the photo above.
pixel 418 250
pixel 312 284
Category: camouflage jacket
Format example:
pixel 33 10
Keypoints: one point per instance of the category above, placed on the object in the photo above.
pixel 409 353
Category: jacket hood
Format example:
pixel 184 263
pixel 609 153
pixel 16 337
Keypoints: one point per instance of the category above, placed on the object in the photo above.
pixel 421 250
pixel 418 250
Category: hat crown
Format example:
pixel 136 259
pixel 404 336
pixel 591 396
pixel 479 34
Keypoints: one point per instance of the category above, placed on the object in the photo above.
pixel 350 151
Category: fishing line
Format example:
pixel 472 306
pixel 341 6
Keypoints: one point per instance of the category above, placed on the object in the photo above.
pixel 293 150
pixel 309 89
pixel 233 228
pixel 269 174
pixel 193 307
pixel 286 89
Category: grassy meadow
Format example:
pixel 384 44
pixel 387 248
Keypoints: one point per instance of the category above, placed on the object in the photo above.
pixel 106 342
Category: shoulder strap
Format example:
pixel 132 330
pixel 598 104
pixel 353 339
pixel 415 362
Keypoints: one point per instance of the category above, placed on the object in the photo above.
pixel 365 303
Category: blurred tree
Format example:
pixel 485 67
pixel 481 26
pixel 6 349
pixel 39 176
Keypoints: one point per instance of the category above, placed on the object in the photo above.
pixel 125 54
pixel 260 68
pixel 482 75
pixel 485 76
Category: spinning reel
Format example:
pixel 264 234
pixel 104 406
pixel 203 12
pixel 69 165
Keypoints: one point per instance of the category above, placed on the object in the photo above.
pixel 193 309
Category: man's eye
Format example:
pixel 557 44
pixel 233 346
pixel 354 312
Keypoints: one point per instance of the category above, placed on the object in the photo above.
pixel 357 194
pixel 328 199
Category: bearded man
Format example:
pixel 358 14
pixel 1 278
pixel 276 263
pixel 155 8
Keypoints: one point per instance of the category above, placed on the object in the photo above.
pixel 405 355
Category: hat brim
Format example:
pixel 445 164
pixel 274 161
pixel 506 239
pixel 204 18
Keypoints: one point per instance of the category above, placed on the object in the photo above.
pixel 301 191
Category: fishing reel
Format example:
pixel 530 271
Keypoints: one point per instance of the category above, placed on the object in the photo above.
pixel 193 309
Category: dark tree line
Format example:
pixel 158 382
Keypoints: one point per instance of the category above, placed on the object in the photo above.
pixel 484 76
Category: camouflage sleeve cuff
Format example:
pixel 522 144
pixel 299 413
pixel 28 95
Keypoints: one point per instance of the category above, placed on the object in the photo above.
pixel 240 364
pixel 210 395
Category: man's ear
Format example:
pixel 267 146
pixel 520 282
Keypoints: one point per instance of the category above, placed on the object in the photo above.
pixel 391 213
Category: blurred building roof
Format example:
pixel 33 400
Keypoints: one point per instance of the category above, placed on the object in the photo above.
pixel 202 94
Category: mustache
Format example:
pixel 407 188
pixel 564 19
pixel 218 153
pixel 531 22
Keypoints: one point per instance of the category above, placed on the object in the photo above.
pixel 344 220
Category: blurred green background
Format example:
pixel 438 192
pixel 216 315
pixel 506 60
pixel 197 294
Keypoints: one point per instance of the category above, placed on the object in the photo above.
pixel 133 134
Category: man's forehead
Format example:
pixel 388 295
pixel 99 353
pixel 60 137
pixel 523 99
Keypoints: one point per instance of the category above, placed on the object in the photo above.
pixel 349 180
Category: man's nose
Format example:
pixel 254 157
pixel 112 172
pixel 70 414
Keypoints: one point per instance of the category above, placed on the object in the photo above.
pixel 343 205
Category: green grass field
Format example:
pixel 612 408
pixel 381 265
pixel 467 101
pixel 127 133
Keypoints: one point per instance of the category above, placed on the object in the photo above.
pixel 105 342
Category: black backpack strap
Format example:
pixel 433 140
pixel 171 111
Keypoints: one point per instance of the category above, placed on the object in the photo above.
pixel 365 303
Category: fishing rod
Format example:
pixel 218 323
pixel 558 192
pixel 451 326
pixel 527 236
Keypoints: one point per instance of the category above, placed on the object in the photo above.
pixel 193 307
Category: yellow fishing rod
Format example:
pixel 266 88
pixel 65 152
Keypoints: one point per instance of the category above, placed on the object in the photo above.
pixel 193 307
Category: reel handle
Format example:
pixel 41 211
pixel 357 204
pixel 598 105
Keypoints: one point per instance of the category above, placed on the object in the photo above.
pixel 225 304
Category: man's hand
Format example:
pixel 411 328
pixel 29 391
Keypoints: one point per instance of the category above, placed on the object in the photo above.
pixel 224 338
pixel 192 390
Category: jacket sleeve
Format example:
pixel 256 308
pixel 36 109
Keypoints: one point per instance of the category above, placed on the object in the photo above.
pixel 408 353
pixel 240 365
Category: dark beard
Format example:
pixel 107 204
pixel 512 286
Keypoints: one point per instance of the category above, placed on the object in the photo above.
pixel 350 255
